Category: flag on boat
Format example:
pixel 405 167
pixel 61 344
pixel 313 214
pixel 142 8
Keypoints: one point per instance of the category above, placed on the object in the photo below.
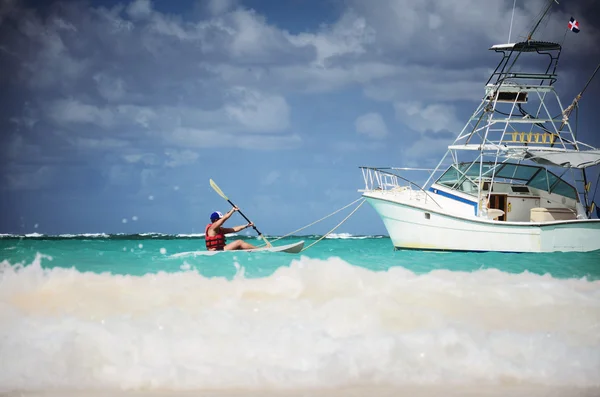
pixel 574 25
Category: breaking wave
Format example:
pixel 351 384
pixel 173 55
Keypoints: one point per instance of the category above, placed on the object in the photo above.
pixel 315 323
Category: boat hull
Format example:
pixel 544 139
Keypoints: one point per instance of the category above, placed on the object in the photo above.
pixel 413 227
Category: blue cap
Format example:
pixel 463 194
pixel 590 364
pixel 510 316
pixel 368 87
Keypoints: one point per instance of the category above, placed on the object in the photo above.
pixel 215 215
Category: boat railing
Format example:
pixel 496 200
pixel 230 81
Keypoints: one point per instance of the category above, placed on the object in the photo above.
pixel 510 54
pixel 510 77
pixel 383 179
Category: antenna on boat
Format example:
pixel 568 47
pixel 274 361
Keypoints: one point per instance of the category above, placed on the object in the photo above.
pixel 541 18
pixel 509 67
pixel 511 20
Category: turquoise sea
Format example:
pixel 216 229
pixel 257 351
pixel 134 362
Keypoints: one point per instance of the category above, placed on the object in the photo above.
pixel 347 316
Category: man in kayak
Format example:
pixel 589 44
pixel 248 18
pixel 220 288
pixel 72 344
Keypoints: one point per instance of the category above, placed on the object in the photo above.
pixel 214 234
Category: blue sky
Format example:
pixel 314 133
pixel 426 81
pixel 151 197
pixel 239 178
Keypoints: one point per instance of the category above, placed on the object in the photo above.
pixel 123 110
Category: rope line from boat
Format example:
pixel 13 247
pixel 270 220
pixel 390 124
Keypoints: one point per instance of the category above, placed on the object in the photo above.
pixel 569 109
pixel 338 225
pixel 322 219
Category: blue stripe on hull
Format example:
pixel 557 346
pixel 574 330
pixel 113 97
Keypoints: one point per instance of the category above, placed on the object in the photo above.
pixel 455 198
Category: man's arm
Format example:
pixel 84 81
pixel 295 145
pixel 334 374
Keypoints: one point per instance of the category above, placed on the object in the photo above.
pixel 235 229
pixel 220 222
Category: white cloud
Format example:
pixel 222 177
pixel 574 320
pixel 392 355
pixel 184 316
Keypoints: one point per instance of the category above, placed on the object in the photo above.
pixel 137 115
pixel 434 21
pixel 251 36
pixel 179 158
pixel 142 158
pixel 66 111
pixel 147 176
pixel 315 79
pixel 53 64
pixel 429 83
pixel 422 118
pixel 100 143
pixel 298 178
pixel 139 9
pixel 120 175
pixel 61 24
pixel 29 178
pixel 354 146
pixel 17 147
pixel 170 27
pixel 258 112
pixel 133 158
pixel 440 30
pixel 350 35
pixel 218 7
pixel 131 177
pixel 197 138
pixel 425 152
pixel 269 142
pixel 110 88
pixel 270 178
pixel 371 125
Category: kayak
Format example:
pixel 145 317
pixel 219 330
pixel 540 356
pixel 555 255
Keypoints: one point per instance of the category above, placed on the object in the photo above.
pixel 293 248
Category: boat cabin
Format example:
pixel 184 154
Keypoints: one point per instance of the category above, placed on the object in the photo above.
pixel 510 192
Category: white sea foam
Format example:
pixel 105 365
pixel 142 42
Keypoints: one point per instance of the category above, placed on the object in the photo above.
pixel 33 235
pixel 314 324
pixel 202 235
pixel 191 235
pixel 91 235
pixel 349 236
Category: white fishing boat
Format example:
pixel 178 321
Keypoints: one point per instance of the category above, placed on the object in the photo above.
pixel 513 180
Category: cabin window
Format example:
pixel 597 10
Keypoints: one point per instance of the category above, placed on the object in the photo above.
pixel 467 186
pixel 472 170
pixel 450 177
pixel 564 189
pixel 463 175
pixel 513 171
pixel 520 189
pixel 549 182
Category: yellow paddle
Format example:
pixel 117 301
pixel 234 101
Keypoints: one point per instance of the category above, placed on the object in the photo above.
pixel 220 193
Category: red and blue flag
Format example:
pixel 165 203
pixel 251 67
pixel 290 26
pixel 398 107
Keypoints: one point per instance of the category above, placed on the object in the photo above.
pixel 574 25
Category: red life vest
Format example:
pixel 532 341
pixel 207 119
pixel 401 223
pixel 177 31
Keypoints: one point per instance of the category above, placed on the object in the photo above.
pixel 214 242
